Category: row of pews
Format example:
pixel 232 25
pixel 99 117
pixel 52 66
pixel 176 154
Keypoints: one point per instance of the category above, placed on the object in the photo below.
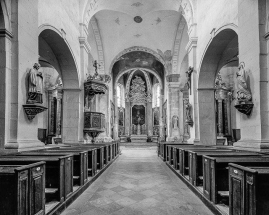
pixel 229 181
pixel 46 181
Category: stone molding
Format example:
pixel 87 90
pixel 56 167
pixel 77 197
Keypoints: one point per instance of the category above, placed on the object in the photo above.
pixel 191 44
pixel 84 44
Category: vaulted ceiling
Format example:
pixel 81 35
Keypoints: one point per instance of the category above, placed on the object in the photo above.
pixel 122 24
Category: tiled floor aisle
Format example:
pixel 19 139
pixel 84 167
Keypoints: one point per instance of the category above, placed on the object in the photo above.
pixel 138 183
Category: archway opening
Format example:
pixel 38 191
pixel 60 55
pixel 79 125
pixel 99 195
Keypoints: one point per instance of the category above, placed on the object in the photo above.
pixel 136 72
pixel 61 87
pixel 215 89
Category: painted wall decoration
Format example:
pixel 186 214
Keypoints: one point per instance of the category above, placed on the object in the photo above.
pixel 138 59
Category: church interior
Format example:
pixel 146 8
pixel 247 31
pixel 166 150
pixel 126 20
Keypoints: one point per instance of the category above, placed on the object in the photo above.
pixel 134 107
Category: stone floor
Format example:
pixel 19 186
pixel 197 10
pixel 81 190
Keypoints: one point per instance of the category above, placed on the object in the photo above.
pixel 138 183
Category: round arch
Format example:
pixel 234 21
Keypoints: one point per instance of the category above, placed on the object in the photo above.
pixel 132 49
pixel 221 49
pixel 63 53
pixel 212 56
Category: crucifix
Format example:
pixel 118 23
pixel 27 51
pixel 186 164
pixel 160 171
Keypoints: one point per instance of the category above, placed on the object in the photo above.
pixel 188 74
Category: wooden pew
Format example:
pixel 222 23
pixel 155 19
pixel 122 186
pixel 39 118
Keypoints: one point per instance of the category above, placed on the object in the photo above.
pixel 248 190
pixel 215 173
pixel 58 177
pixel 163 148
pixel 92 157
pixel 196 162
pixel 99 150
pixel 183 160
pixel 22 189
pixel 80 162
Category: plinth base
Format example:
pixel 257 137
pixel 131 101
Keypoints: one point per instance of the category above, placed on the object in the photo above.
pixel 139 138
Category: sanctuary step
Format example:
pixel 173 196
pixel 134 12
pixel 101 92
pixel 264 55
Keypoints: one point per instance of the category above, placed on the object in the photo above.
pixel 138 144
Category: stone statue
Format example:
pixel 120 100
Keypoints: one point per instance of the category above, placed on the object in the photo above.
pixel 35 85
pixel 175 122
pixel 188 119
pixel 243 93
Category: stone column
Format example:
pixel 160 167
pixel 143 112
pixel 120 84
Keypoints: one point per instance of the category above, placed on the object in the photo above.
pixel 207 116
pixel 71 112
pixel 174 108
pixel 220 118
pixel 161 132
pixel 193 96
pixel 149 118
pixel 127 123
pixel 84 64
pixel 253 52
pixel 59 113
pixel 5 85
pixel 116 121
pixel 51 113
pixel 23 133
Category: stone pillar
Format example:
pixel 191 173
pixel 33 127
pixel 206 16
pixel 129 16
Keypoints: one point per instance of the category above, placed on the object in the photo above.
pixel 84 64
pixel 116 121
pixel 59 113
pixel 253 52
pixel 5 70
pixel 184 97
pixel 149 118
pixel 51 119
pixel 207 116
pixel 23 133
pixel 193 96
pixel 71 129
pixel 174 109
pixel 162 135
pixel 127 123
pixel 220 118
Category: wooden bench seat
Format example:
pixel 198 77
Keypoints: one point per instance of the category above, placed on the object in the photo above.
pixel 215 172
pixel 249 188
pixel 80 162
pixel 196 161
pixel 25 186
pixel 59 172
pixel 99 153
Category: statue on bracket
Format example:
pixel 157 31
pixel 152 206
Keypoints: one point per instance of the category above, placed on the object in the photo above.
pixel 35 85
pixel 188 74
pixel 35 93
pixel 243 96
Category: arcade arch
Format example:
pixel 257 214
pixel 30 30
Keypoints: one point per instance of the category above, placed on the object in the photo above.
pixel 55 51
pixel 219 59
